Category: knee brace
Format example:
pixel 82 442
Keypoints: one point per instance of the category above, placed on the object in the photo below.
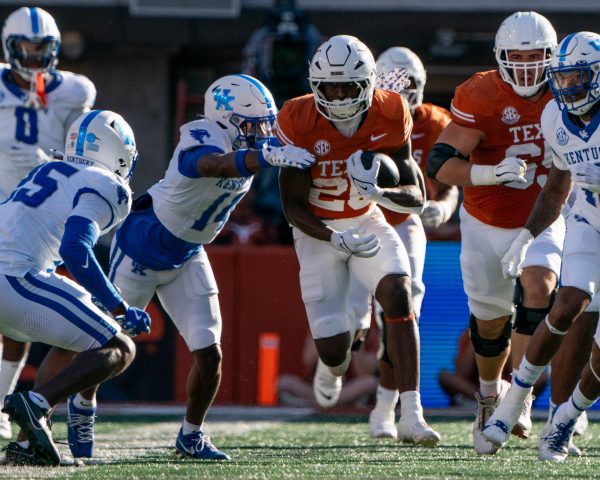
pixel 527 319
pixel 486 347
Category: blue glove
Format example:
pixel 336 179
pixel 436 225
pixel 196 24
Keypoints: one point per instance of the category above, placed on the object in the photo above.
pixel 134 322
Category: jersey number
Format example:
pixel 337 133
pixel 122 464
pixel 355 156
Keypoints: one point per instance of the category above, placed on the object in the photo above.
pixel 27 125
pixel 532 150
pixel 220 217
pixel 38 185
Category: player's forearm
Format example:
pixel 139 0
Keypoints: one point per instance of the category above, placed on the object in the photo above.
pixel 545 212
pixel 405 199
pixel 307 222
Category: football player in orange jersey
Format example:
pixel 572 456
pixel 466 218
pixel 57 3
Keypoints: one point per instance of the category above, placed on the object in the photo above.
pixel 345 247
pixel 429 120
pixel 496 124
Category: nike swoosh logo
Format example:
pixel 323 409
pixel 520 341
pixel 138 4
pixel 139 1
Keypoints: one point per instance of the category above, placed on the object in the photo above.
pixel 374 138
pixel 32 420
pixel 137 316
pixel 87 262
pixel 415 136
pixel 328 397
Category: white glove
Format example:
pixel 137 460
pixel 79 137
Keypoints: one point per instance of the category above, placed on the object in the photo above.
pixel 287 156
pixel 27 157
pixel 512 261
pixel 511 169
pixel 435 213
pixel 587 176
pixel 364 180
pixel 355 242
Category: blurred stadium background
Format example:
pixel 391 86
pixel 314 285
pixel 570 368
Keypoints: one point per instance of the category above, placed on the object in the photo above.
pixel 151 60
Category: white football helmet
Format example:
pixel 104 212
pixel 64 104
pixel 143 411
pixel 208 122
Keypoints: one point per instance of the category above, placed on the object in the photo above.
pixel 31 24
pixel 244 108
pixel 341 59
pixel 103 139
pixel 402 57
pixel 525 31
pixel 574 74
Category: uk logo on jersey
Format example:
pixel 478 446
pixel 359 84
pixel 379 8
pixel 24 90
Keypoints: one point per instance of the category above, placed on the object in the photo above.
pixel 199 134
pixel 122 195
pixel 562 137
pixel 510 116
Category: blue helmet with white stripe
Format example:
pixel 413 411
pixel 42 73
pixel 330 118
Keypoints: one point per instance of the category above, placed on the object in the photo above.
pixel 103 139
pixel 574 73
pixel 243 107
pixel 36 26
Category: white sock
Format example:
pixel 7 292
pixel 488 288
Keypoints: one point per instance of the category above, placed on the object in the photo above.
pixel 9 376
pixel 190 427
pixel 528 373
pixel 577 404
pixel 489 388
pixel 386 399
pixel 410 405
pixel 551 407
pixel 84 403
pixel 39 400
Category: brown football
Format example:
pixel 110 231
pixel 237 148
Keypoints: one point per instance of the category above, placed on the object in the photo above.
pixel 388 175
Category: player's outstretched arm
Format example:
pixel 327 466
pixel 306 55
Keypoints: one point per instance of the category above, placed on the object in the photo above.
pixel 245 162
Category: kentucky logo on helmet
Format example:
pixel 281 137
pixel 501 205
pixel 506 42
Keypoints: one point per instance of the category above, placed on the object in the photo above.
pixel 223 99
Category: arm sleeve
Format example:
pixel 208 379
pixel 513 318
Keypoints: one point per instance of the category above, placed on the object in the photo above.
pixel 188 160
pixel 81 234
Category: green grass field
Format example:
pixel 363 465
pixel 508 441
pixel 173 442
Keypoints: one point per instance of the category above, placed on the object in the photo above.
pixel 331 447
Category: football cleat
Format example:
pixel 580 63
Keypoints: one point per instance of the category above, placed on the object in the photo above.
pixel 555 438
pixel 5 428
pixel 485 409
pixel 574 450
pixel 382 424
pixel 498 428
pixel 326 386
pixel 522 428
pixel 32 420
pixel 581 425
pixel 80 429
pixel 417 432
pixel 15 454
pixel 197 445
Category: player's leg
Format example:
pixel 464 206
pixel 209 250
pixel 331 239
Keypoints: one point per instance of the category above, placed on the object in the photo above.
pixel 490 301
pixel 65 317
pixel 14 356
pixel 580 273
pixel 325 283
pixel 190 298
pixel 554 439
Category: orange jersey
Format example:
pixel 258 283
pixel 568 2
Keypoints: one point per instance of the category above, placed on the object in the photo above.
pixel 386 129
pixel 429 120
pixel 512 129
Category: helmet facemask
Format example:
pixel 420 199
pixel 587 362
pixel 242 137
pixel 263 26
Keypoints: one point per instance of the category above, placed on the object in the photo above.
pixel 29 64
pixel 526 78
pixel 253 132
pixel 346 108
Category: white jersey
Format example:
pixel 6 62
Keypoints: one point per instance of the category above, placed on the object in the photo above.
pixel 196 209
pixel 34 216
pixel 573 146
pixel 28 133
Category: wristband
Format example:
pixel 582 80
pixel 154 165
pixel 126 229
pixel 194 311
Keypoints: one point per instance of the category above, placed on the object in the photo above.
pixel 262 163
pixel 240 163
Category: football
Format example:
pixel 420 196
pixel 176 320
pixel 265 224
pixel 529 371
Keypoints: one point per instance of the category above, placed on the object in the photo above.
pixel 388 175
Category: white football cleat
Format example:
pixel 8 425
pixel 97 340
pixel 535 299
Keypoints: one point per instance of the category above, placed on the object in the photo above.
pixel 522 428
pixel 5 428
pixel 498 428
pixel 555 438
pixel 382 424
pixel 574 451
pixel 581 425
pixel 418 432
pixel 326 386
pixel 485 409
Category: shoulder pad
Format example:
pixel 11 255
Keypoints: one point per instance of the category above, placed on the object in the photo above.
pixel 391 105
pixel 297 115
pixel 76 90
pixel 203 132
pixel 111 188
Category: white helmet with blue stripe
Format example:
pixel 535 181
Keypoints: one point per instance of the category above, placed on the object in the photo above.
pixel 102 138
pixel 35 25
pixel 574 73
pixel 243 107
